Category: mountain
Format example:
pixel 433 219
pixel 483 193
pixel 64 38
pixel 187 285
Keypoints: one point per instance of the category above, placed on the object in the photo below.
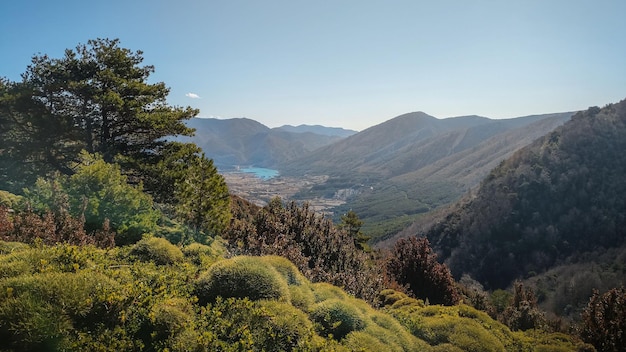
pixel 317 129
pixel 243 141
pixel 414 163
pixel 556 204
pixel 410 142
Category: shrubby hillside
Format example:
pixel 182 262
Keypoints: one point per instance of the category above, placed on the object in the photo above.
pixel 155 296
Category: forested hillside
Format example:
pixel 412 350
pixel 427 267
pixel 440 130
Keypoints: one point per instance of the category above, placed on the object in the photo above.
pixel 560 201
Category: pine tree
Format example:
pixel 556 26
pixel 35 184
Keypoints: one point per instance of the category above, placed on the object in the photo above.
pixel 352 224
pixel 95 98
pixel 203 200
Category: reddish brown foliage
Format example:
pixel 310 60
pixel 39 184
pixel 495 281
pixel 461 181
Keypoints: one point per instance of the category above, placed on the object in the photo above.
pixel 523 312
pixel 322 252
pixel 50 228
pixel 604 320
pixel 413 264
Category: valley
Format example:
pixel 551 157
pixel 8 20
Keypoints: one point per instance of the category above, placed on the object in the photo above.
pixel 389 174
pixel 260 191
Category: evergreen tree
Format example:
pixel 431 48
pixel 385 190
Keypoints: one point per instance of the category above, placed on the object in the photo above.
pixel 352 224
pixel 203 200
pixel 95 98
pixel 98 193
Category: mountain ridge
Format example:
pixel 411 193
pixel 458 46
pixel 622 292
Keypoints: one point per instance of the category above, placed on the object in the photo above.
pixel 548 204
pixel 243 141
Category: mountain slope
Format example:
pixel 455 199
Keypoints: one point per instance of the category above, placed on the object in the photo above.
pixel 244 141
pixel 412 141
pixel 563 195
pixel 375 142
pixel 414 163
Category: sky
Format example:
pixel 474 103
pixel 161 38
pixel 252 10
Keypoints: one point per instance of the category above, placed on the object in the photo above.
pixel 346 63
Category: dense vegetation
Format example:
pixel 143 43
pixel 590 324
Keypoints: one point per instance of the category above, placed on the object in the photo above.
pixel 321 251
pixel 96 254
pixel 557 204
pixel 155 296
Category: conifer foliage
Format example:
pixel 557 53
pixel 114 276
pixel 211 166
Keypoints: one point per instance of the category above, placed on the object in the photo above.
pixel 95 98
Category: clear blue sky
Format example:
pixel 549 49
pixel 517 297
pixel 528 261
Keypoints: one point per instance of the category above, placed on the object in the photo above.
pixel 345 63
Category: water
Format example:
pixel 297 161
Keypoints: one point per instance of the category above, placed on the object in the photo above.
pixel 262 173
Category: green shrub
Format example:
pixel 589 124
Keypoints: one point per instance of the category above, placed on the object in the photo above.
pixel 29 324
pixel 470 336
pixel 171 316
pixel 11 267
pixel 9 200
pixel 287 269
pixel 38 310
pixel 241 277
pixel 202 254
pixel 300 290
pixel 158 250
pixel 324 291
pixel 235 324
pixel 287 327
pixel 12 261
pixel 362 341
pixel 11 247
pixel 446 347
pixel 302 297
pixel 99 193
pixel 389 296
pixel 337 318
pixel 389 330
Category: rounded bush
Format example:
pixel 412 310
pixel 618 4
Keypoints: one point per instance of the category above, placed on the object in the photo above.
pixel 12 247
pixel 205 254
pixel 241 277
pixel 361 341
pixel 337 318
pixel 324 291
pixel 158 250
pixel 170 316
pixel 30 324
pixel 38 310
pixel 9 200
pixel 388 296
pixel 302 297
pixel 11 266
pixel 198 253
pixel 287 327
pixel 286 268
